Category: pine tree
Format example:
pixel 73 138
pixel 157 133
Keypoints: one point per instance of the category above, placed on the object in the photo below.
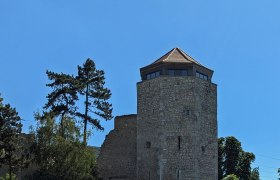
pixel 91 86
pixel 61 101
pixel 10 129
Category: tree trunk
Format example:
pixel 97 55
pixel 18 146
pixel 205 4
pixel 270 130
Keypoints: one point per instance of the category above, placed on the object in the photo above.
pixel 86 117
pixel 62 125
pixel 10 167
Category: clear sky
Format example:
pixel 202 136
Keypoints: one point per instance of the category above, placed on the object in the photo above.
pixel 239 40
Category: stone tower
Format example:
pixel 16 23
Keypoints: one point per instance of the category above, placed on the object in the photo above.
pixel 176 120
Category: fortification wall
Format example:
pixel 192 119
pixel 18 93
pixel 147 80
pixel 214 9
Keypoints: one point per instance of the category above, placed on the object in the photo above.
pixel 117 158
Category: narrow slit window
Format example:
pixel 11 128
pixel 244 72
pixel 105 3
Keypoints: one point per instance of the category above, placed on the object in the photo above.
pixel 148 144
pixel 179 142
pixel 178 174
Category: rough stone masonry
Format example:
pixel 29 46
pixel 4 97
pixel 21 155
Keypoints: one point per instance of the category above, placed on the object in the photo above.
pixel 174 134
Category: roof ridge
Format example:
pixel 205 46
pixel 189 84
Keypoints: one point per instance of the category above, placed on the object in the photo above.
pixel 188 57
pixel 162 56
pixel 172 51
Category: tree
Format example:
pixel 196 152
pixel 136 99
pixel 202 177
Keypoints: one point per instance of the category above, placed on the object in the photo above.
pixel 61 101
pixel 233 160
pixel 231 177
pixel 255 175
pixel 91 86
pixel 10 146
pixel 244 164
pixel 61 157
pixel 232 149
pixel 221 157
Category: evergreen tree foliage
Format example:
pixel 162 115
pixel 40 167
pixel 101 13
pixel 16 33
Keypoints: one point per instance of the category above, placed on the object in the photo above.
pixel 58 157
pixel 233 160
pixel 11 149
pixel 91 87
pixel 62 99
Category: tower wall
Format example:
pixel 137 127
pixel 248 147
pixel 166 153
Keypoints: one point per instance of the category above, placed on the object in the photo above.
pixel 177 129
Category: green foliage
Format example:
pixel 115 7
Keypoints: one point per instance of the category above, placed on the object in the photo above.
pixel 61 157
pixel 9 177
pixel 244 165
pixel 61 101
pixel 89 83
pixel 232 149
pixel 255 175
pixel 221 157
pixel 231 177
pixel 233 160
pixel 11 149
pixel 91 86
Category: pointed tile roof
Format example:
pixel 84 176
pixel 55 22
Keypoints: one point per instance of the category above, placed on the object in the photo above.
pixel 178 56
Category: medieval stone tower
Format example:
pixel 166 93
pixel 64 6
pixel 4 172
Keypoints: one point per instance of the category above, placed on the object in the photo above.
pixel 174 134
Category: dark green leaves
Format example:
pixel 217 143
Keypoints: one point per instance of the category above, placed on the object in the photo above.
pixel 91 86
pixel 233 160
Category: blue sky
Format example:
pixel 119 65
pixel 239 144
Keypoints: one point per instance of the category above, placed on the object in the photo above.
pixel 238 39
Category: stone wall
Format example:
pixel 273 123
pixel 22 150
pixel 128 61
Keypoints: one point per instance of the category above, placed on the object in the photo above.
pixel 117 158
pixel 177 129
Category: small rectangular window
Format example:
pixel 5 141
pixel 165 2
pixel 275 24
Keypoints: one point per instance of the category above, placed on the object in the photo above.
pixel 184 72
pixel 201 75
pixel 205 78
pixel 157 73
pixel 148 144
pixel 177 72
pixel 171 72
pixel 153 75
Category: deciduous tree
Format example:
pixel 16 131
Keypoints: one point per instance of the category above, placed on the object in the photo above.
pixel 233 160
pixel 231 177
pixel 221 157
pixel 232 149
pixel 61 157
